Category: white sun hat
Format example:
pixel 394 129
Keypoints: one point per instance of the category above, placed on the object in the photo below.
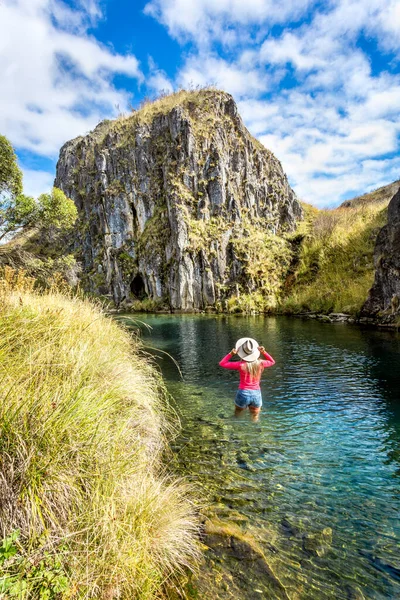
pixel 247 349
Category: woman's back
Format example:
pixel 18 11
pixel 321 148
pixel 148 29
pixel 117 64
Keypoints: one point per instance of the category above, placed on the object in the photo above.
pixel 248 381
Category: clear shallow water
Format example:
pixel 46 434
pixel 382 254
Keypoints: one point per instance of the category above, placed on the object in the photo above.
pixel 324 454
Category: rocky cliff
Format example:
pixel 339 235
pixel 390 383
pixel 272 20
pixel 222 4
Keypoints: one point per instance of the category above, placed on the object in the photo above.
pixel 384 296
pixel 179 203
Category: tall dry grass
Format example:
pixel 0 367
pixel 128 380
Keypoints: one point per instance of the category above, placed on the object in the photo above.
pixel 83 425
pixel 166 101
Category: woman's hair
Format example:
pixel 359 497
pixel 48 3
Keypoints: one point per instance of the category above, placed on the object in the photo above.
pixel 254 368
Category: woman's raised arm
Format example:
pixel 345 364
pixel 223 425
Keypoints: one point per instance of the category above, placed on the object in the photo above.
pixel 270 361
pixel 224 363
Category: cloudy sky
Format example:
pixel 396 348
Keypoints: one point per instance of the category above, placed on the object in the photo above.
pixel 317 82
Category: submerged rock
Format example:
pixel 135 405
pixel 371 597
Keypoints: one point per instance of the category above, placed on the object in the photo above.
pixel 318 543
pixel 173 202
pixel 353 592
pixel 242 563
pixel 289 528
pixel 381 565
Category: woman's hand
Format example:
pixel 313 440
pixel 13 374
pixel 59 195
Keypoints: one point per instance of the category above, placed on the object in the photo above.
pixel 233 352
pixel 261 349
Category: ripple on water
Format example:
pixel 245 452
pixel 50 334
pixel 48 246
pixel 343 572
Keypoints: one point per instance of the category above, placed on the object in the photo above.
pixel 324 455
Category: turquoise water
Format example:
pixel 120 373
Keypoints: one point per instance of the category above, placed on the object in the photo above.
pixel 325 452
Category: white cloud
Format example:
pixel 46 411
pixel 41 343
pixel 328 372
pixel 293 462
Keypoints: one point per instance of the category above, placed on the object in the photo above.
pixel 37 182
pixel 74 20
pixel 206 19
pixel 389 23
pixel 57 80
pixel 311 92
pixel 211 70
pixel 158 81
pixel 290 49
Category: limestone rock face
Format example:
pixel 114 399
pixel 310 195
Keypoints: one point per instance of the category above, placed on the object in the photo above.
pixel 166 197
pixel 384 296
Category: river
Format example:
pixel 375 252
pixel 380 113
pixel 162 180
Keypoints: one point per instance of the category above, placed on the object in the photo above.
pixel 317 478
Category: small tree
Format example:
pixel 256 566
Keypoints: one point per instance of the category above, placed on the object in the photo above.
pixel 56 210
pixel 10 173
pixel 18 211
pixel 50 210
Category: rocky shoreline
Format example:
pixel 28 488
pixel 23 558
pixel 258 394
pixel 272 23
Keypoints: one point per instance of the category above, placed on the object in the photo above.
pixel 391 322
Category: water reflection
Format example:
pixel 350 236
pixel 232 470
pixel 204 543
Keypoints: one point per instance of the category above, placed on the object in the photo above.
pixel 325 453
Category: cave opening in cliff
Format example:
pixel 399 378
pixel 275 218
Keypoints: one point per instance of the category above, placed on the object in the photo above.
pixel 134 216
pixel 137 287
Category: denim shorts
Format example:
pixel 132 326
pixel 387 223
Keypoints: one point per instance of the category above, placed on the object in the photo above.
pixel 251 398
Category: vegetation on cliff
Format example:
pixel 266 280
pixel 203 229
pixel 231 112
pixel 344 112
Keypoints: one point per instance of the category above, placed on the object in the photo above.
pixel 183 200
pixel 325 266
pixel 181 209
pixel 199 103
pixel 86 508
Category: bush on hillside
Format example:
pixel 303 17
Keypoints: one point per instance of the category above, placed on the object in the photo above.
pixel 335 263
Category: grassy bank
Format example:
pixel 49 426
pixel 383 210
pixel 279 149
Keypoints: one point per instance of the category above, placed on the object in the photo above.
pixel 86 509
pixel 333 266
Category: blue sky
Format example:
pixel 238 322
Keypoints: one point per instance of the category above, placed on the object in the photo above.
pixel 317 82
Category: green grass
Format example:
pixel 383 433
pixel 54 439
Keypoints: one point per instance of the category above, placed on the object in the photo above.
pixel 148 305
pixel 84 423
pixel 334 267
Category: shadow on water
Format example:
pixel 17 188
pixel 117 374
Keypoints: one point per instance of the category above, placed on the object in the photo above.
pixel 316 479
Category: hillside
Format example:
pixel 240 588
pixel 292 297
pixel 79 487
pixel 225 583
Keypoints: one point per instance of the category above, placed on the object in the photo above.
pixel 382 194
pixel 42 254
pixel 333 265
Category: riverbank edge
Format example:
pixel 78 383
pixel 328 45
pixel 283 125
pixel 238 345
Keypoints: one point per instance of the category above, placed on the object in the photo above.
pixel 391 322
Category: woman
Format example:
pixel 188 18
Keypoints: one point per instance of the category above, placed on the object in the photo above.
pixel 250 369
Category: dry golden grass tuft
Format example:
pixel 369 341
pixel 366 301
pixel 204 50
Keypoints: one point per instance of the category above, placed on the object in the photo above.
pixel 84 422
pixel 164 103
